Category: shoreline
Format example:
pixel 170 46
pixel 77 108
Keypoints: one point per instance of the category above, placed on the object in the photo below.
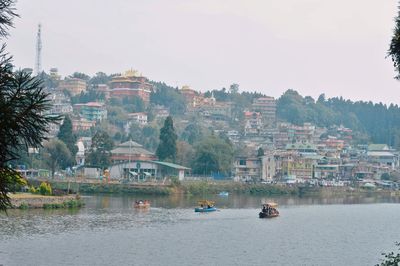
pixel 213 187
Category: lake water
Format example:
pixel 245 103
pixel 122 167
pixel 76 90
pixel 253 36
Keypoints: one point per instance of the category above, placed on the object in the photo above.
pixel 109 231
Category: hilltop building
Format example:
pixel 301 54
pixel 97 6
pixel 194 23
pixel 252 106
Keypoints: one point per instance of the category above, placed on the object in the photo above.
pixel 73 85
pixel 131 84
pixel 267 107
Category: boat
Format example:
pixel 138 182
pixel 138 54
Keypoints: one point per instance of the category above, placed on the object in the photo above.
pixel 205 206
pixel 223 194
pixel 269 210
pixel 142 204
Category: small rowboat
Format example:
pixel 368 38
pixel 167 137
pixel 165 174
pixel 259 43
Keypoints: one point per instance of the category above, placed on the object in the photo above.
pixel 205 209
pixel 265 215
pixel 142 204
pixel 205 206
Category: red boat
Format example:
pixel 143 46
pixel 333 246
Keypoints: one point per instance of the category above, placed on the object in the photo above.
pixel 142 204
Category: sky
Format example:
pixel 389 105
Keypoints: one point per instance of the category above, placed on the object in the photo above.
pixel 313 46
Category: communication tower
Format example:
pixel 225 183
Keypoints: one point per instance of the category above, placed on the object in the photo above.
pixel 38 61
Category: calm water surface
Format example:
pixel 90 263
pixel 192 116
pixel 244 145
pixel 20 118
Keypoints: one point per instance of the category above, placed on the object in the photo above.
pixel 109 231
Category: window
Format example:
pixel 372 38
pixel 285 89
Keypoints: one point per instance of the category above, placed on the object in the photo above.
pixel 242 162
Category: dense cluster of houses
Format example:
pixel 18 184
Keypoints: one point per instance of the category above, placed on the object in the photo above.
pixel 291 153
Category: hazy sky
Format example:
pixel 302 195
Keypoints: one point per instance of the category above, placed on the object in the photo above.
pixel 314 46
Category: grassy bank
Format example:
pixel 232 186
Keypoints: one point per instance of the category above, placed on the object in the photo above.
pixel 96 188
pixel 212 187
pixel 31 201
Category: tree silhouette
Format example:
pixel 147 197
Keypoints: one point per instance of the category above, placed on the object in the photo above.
pixel 22 106
pixel 394 47
pixel 166 149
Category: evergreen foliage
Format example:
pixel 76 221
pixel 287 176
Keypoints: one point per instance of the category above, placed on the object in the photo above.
pixel 166 149
pixel 260 152
pixel 22 106
pixel 45 189
pixel 394 47
pixel 391 258
pixel 100 151
pixel 89 96
pixel 57 155
pixel 169 97
pixel 212 155
pixel 192 133
pixel 67 136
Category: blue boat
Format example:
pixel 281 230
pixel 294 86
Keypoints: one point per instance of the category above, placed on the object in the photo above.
pixel 205 209
pixel 205 206
pixel 223 194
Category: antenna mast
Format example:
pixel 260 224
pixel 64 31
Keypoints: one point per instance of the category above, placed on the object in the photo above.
pixel 38 63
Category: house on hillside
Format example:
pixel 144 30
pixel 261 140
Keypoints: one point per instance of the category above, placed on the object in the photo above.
pixel 131 151
pixel 383 155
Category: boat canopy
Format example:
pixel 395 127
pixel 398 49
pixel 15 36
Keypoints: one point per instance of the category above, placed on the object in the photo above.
pixel 206 202
pixel 271 204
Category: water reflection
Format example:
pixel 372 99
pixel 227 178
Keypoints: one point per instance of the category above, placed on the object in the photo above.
pixel 108 229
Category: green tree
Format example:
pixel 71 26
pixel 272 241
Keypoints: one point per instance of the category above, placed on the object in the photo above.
pixel 67 136
pixel 394 47
pixel 391 258
pixel 80 75
pixel 260 152
pixel 166 149
pixel 192 133
pixel 23 104
pixel 213 154
pixel 169 97
pixel 234 88
pixel 100 152
pixel 99 78
pixel 57 155
pixel 185 153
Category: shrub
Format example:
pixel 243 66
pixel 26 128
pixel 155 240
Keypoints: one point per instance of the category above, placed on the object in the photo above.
pixel 45 189
pixel 32 190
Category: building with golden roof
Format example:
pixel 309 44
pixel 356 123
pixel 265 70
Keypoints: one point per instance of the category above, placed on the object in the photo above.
pixel 132 83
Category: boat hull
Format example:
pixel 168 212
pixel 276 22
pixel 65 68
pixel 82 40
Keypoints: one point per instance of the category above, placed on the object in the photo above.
pixel 265 215
pixel 142 206
pixel 212 209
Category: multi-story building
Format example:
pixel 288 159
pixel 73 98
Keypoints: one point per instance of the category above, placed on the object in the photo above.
pixel 267 107
pixel 139 118
pixel 382 154
pixel 82 124
pixel 254 168
pixel 103 88
pixel 217 111
pixel 60 104
pixel 252 123
pixel 92 111
pixel 161 111
pixel 131 84
pixel 73 85
pixel 191 96
pixel 247 168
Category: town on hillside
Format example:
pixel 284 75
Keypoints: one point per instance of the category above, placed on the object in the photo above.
pixel 111 129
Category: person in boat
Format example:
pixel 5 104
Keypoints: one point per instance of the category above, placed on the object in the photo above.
pixel 264 209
